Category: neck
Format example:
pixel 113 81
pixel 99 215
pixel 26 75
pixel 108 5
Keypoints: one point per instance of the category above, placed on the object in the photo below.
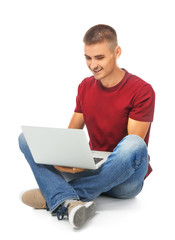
pixel 114 78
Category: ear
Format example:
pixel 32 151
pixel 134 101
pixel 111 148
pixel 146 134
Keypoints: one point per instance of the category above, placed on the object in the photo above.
pixel 118 51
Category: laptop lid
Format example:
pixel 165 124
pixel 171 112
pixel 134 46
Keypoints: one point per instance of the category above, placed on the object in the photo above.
pixel 59 146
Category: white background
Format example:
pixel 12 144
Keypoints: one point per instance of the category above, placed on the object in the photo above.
pixel 41 65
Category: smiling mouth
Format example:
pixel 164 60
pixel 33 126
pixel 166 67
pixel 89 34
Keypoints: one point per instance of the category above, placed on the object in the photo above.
pixel 97 71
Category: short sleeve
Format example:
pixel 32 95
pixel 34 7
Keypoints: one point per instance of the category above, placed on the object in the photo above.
pixel 78 104
pixel 143 104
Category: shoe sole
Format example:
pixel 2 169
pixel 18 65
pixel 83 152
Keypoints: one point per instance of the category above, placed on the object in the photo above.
pixel 81 213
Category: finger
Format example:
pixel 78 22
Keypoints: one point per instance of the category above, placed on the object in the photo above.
pixel 78 169
pixel 63 169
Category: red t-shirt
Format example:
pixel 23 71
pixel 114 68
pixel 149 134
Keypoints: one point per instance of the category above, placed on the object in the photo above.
pixel 106 110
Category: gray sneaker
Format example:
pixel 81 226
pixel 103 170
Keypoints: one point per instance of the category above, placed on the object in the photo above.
pixel 78 212
pixel 34 198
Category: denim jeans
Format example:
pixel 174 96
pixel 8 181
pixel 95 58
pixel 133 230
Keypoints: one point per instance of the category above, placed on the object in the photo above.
pixel 121 176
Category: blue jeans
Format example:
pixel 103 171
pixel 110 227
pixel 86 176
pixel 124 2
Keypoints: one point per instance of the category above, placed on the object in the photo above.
pixel 121 176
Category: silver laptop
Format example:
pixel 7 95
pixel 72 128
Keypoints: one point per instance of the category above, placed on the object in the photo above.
pixel 62 147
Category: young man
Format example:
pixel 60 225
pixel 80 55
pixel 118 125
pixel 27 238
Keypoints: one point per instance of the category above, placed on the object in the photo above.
pixel 117 109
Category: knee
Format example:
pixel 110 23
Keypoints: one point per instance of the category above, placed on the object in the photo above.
pixel 133 143
pixel 22 142
pixel 132 150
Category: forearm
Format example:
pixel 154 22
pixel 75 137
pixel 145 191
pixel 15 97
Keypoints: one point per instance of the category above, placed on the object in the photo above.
pixel 138 128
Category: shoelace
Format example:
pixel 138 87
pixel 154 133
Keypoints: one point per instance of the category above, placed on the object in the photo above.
pixel 62 212
pixel 47 208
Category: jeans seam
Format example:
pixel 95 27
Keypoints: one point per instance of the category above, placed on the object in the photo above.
pixel 97 193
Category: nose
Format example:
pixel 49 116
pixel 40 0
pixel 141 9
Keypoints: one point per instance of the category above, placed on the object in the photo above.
pixel 93 65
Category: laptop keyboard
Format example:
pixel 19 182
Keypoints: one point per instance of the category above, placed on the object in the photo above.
pixel 97 160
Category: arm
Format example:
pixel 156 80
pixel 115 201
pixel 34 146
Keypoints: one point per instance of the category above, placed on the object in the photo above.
pixel 138 128
pixel 76 122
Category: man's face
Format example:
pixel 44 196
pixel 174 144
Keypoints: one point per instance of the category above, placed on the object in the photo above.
pixel 100 59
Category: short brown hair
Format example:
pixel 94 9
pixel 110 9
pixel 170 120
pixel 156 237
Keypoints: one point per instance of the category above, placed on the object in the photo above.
pixel 100 33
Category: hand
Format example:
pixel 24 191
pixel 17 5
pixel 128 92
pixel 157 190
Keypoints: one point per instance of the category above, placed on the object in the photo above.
pixel 69 169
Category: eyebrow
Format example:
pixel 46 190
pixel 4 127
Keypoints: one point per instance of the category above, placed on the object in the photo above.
pixel 97 56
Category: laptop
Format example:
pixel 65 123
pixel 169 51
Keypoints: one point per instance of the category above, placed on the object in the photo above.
pixel 62 147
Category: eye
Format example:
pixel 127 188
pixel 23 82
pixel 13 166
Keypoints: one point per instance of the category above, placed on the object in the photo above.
pixel 87 57
pixel 99 58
